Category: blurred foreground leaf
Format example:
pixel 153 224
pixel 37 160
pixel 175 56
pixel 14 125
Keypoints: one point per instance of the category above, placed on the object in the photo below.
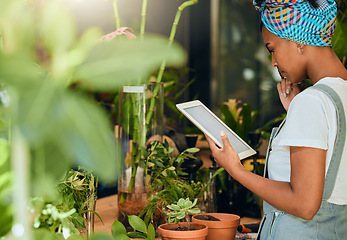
pixel 121 61
pixel 5 187
pixel 65 129
pixel 5 219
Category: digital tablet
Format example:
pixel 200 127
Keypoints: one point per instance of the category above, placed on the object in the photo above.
pixel 211 125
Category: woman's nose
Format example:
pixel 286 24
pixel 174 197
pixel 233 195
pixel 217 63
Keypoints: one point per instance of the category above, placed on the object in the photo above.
pixel 273 61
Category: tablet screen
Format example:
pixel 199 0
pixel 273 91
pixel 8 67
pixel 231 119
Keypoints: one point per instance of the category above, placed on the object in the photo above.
pixel 211 125
pixel 214 127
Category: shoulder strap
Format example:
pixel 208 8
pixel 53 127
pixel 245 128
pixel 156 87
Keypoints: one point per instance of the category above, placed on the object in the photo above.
pixel 274 133
pixel 330 178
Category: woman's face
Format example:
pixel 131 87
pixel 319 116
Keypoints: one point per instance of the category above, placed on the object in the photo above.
pixel 285 56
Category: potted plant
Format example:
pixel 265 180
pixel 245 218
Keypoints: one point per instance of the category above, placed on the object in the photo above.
pixel 220 225
pixel 182 230
pixel 165 180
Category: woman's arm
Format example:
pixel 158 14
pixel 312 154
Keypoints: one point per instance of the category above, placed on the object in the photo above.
pixel 300 197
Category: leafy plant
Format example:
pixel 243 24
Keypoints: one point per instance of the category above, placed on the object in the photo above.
pixel 182 211
pixel 58 219
pixel 79 189
pixel 166 180
pixel 339 40
pixel 140 229
pixel 77 195
pixel 165 177
pixel 239 117
pixel 174 89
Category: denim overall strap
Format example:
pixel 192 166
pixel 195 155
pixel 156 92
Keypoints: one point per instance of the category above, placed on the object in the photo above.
pixel 274 133
pixel 330 177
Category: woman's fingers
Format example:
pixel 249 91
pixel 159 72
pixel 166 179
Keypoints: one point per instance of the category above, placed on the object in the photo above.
pixel 225 139
pixel 211 143
pixel 285 87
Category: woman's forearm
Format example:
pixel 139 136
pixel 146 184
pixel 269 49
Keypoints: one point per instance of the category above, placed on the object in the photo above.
pixel 278 194
pixel 301 196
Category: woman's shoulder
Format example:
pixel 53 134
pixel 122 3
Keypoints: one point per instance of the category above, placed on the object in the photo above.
pixel 332 80
pixel 314 97
pixel 339 85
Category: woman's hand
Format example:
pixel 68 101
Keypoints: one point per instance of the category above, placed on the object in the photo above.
pixel 226 157
pixel 288 91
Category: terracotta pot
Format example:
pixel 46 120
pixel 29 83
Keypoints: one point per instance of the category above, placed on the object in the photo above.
pixel 224 229
pixel 199 233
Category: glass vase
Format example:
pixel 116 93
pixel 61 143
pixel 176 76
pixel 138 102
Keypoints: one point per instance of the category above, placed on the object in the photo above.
pixel 88 217
pixel 140 124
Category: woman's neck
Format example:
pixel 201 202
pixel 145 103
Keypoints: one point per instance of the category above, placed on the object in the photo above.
pixel 322 63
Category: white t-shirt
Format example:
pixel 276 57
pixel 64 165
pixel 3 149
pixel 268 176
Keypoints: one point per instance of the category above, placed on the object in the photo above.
pixel 311 122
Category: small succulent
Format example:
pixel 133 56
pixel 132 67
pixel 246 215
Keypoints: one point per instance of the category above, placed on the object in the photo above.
pixel 182 210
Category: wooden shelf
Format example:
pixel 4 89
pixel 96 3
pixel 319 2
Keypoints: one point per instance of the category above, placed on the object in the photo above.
pixel 107 208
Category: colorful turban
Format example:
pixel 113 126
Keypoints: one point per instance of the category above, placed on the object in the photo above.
pixel 298 21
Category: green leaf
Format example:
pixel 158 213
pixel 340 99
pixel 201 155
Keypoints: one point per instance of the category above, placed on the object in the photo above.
pixel 174 207
pixel 192 150
pixel 121 237
pixel 151 232
pixel 137 223
pixel 181 216
pixel 188 204
pixel 104 236
pixel 114 63
pixel 136 235
pixel 5 218
pixel 195 202
pixel 171 168
pixel 44 234
pixel 76 141
pixel 164 173
pixel 78 221
pixel 246 121
pixel 194 211
pixel 75 237
pixel 339 41
pixel 93 148
pixel 117 228
pixel 57 27
pixel 228 117
pixel 10 64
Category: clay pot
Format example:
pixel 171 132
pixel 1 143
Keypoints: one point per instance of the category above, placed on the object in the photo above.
pixel 199 233
pixel 224 229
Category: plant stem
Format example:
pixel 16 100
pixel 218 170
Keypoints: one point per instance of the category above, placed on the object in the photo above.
pixel 163 65
pixel 20 166
pixel 116 14
pixel 143 18
pixel 188 221
pixel 173 31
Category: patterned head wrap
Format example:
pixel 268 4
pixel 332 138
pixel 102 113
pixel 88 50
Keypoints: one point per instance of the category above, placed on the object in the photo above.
pixel 298 21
